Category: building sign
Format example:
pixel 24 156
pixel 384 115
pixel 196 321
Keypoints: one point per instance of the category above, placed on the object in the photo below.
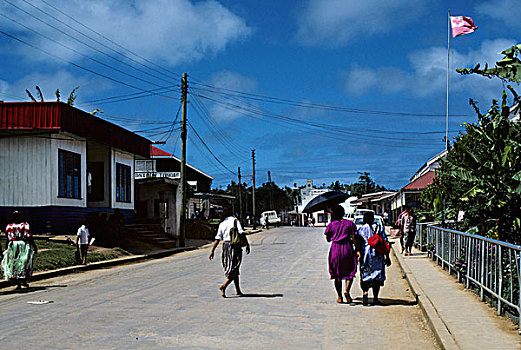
pixel 147 175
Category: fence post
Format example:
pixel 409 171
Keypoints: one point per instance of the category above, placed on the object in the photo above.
pixel 468 254
pixel 500 286
pixel 482 277
pixel 442 249
pixel 518 270
pixel 449 248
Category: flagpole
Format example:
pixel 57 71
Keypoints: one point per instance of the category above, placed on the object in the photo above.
pixel 448 66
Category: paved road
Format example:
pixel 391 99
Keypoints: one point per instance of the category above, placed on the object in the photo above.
pixel 175 303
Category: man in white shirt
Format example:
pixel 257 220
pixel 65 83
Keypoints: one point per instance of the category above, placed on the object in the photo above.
pixel 231 254
pixel 82 242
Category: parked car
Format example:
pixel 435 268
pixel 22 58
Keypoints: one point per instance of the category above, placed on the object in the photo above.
pixel 361 212
pixel 378 221
pixel 358 212
pixel 273 219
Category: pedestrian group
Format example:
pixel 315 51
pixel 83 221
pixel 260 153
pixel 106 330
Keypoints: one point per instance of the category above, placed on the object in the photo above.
pixel 366 247
pixel 352 247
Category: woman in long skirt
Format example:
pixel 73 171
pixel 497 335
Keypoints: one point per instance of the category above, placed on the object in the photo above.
pixel 17 263
pixel 372 264
pixel 342 257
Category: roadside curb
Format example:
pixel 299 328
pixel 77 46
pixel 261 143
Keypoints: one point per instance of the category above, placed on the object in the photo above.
pixel 38 276
pixel 434 320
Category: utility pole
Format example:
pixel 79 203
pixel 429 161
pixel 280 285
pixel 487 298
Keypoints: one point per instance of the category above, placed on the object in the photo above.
pixel 253 188
pixel 240 196
pixel 271 190
pixel 184 98
pixel 233 202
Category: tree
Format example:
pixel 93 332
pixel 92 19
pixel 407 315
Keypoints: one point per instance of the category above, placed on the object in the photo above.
pixel 364 185
pixel 70 100
pixel 481 174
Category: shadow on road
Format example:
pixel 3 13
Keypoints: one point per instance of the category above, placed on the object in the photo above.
pixel 387 302
pixel 258 295
pixel 31 289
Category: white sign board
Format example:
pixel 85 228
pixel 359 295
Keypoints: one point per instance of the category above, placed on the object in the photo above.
pixel 147 175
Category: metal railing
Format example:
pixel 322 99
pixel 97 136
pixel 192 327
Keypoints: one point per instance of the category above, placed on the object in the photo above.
pixel 491 267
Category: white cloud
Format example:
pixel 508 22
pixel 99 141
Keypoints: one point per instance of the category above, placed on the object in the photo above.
pixel 361 80
pixel 168 31
pixel 48 83
pixel 336 22
pixel 236 82
pixel 507 11
pixel 427 73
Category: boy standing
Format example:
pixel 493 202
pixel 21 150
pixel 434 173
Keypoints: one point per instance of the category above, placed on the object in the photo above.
pixel 82 242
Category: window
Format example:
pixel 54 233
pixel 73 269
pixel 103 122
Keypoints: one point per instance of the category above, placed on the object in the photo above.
pixel 145 166
pixel 69 174
pixel 123 183
pixel 322 217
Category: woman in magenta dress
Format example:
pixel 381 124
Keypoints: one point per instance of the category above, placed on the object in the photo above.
pixel 342 257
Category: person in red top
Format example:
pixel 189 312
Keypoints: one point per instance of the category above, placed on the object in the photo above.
pixel 17 262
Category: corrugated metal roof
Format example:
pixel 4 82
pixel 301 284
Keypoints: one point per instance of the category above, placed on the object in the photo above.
pixel 421 182
pixel 156 152
pixel 159 153
pixel 58 117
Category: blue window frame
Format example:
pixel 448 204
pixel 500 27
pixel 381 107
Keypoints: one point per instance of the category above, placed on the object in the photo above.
pixel 123 183
pixel 69 174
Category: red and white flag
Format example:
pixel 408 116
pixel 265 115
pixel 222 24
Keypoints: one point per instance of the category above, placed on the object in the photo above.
pixel 461 25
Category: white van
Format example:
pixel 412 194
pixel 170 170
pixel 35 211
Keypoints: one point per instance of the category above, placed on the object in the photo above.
pixel 361 212
pixel 273 219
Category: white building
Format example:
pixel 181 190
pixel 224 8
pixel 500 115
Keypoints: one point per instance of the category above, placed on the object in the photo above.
pixel 61 166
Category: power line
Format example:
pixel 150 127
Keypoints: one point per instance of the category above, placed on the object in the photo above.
pixel 209 150
pixel 135 95
pixel 79 53
pixel 270 99
pixel 74 64
pixel 204 114
pixel 177 75
pixel 84 35
pixel 332 129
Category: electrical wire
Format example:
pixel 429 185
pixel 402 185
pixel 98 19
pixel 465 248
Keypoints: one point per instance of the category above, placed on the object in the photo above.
pixel 225 141
pixel 270 99
pixel 209 150
pixel 115 43
pixel 72 63
pixel 132 96
pixel 84 35
pixel 331 129
pixel 79 53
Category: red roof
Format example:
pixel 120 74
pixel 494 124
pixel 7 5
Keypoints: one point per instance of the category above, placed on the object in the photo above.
pixel 54 117
pixel 156 152
pixel 421 182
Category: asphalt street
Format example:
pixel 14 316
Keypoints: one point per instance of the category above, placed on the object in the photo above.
pixel 174 303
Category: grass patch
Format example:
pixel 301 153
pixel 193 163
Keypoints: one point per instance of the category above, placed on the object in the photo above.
pixel 52 256
pixel 120 250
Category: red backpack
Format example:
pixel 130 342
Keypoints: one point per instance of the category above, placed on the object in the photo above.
pixel 377 242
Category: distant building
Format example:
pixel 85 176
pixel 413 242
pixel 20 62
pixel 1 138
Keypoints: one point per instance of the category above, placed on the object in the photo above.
pixel 299 218
pixel 379 202
pixel 61 166
pixel 410 193
pixel 158 190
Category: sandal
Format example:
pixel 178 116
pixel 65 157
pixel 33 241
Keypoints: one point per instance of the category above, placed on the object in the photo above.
pixel 339 300
pixel 365 300
pixel 349 300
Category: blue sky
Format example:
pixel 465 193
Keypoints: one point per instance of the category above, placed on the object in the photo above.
pixel 321 89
